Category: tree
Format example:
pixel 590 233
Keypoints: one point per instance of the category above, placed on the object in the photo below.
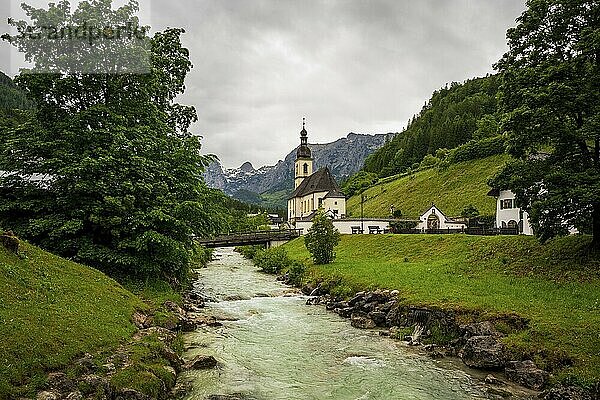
pixel 551 101
pixel 121 186
pixel 321 238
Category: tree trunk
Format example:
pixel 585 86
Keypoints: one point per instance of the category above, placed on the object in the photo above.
pixel 596 226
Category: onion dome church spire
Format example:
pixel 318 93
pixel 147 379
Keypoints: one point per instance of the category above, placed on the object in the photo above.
pixel 303 151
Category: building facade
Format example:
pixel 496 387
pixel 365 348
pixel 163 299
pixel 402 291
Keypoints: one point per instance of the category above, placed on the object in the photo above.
pixel 508 215
pixel 313 190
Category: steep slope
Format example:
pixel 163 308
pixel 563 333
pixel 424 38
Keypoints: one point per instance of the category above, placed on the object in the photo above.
pixel 451 189
pixel 344 157
pixel 52 310
pixel 454 115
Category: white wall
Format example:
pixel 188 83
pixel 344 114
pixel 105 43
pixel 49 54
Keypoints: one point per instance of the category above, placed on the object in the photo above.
pixel 345 225
pixel 444 223
pixel 505 215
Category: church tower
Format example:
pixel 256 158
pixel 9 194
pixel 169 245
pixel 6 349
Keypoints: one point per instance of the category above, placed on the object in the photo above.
pixel 304 163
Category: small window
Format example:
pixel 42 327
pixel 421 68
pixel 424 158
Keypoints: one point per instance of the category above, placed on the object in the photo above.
pixel 506 204
pixel 305 168
pixel 335 203
pixel 320 203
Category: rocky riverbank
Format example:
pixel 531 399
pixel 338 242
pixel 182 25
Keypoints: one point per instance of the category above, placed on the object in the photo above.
pixel 155 347
pixel 441 333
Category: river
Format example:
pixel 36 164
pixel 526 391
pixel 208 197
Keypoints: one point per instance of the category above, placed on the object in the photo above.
pixel 272 346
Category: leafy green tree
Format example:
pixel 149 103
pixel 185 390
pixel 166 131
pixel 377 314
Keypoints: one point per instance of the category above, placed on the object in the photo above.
pixel 321 238
pixel 107 171
pixel 551 99
pixel 470 211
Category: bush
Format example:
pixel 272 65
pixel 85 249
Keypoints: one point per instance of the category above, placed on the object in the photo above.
pixel 249 251
pixel 296 272
pixel 476 149
pixel 273 260
pixel 321 238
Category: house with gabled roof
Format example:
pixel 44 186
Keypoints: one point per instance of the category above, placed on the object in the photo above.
pixel 434 219
pixel 313 190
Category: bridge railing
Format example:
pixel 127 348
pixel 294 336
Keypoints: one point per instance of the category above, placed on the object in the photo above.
pixel 256 235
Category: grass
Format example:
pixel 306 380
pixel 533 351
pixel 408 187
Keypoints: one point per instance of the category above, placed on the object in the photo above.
pixel 451 189
pixel 555 286
pixel 51 311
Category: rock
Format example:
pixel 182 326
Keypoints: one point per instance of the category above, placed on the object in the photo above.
pixel 201 362
pixel 47 395
pixel 76 395
pixel 188 324
pixel 378 317
pixel 483 352
pixel 85 364
pixel 362 322
pixel 95 384
pixel 59 382
pixel 526 373
pixel 344 312
pixel 499 392
pixel 485 328
pixel 10 242
pixel 313 301
pixel 174 359
pixel 173 307
pixel 163 334
pixel 130 394
pixel 566 392
pixel 492 380
pixel 141 320
pixel 181 389
pixel 394 293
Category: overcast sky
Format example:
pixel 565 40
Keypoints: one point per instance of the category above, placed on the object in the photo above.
pixel 347 65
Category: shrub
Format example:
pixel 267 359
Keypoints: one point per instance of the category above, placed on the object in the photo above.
pixel 321 238
pixel 296 272
pixel 272 260
pixel 249 251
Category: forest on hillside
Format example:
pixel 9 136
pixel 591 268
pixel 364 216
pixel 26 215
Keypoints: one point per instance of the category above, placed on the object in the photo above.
pixel 455 114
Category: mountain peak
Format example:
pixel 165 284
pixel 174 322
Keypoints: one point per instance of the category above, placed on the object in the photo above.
pixel 247 167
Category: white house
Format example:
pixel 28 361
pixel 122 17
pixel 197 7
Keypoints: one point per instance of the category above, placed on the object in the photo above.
pixel 435 219
pixel 313 190
pixel 508 215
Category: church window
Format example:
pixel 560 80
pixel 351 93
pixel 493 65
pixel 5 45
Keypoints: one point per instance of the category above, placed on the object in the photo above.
pixel 320 203
pixel 305 166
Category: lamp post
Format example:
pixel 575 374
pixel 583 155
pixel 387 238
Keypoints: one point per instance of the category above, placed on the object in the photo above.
pixel 363 197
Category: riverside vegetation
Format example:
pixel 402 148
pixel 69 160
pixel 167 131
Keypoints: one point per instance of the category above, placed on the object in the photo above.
pixel 552 288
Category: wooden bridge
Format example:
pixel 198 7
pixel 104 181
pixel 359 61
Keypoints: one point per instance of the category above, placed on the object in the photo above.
pixel 268 238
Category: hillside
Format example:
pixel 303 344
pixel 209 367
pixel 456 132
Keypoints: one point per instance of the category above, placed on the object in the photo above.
pixel 454 115
pixel 451 189
pixel 270 185
pixel 53 310
pixel 554 286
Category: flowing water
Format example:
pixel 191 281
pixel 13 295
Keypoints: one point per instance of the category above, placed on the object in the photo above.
pixel 273 346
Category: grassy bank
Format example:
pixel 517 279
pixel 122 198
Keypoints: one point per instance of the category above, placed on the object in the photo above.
pixel 555 286
pixel 53 311
pixel 451 189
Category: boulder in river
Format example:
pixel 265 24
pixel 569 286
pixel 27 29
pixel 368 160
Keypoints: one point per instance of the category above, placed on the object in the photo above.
pixel 484 352
pixel 202 362
pixel 567 392
pixel 362 322
pixel 526 373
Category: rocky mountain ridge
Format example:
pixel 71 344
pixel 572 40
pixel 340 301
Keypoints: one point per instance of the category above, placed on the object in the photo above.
pixel 344 157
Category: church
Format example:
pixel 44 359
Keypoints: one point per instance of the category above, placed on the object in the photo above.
pixel 313 190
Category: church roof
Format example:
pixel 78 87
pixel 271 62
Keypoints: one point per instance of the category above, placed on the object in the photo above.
pixel 320 181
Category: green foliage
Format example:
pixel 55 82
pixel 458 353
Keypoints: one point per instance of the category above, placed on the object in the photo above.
pixel 358 182
pixel 450 118
pixel 475 149
pixel 272 261
pixel 551 105
pixel 321 238
pixel 450 188
pixel 249 251
pixel 122 188
pixel 296 273
pixel 470 211
pixel 555 286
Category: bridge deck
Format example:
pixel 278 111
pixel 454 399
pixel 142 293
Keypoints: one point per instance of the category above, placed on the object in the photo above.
pixel 249 238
